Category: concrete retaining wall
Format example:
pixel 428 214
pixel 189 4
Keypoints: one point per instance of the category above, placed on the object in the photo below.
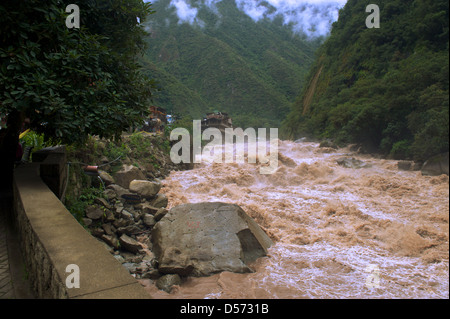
pixel 51 239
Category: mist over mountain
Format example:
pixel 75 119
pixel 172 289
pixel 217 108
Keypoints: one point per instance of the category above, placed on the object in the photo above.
pixel 310 17
pixel 240 57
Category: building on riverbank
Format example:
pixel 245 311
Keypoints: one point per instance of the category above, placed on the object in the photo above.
pixel 218 120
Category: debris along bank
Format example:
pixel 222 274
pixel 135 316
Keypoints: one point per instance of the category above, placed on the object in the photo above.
pixel 113 191
pixel 125 212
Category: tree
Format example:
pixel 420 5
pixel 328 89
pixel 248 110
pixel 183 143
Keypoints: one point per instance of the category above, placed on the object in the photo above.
pixel 386 88
pixel 70 83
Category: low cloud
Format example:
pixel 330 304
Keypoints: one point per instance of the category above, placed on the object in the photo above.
pixel 311 17
pixel 185 12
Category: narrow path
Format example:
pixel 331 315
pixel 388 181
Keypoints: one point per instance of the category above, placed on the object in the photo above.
pixel 14 283
pixel 6 287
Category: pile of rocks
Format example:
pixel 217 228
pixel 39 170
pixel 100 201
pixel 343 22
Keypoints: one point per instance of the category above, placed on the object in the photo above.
pixel 124 218
pixel 189 240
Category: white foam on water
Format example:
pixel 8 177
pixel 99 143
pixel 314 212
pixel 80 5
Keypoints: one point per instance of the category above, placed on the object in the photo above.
pixel 330 225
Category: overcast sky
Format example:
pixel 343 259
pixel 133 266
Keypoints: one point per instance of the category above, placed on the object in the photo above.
pixel 313 17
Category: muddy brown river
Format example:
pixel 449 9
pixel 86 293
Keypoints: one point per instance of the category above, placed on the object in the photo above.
pixel 338 232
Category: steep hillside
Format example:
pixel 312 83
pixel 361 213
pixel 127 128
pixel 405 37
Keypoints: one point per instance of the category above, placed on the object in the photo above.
pixel 223 60
pixel 385 88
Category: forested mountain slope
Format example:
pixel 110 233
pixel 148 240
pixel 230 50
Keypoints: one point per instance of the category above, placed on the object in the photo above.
pixel 387 87
pixel 223 60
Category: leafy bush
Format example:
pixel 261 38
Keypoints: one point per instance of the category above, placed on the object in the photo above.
pixel 36 141
pixel 140 146
pixel 77 206
pixel 401 149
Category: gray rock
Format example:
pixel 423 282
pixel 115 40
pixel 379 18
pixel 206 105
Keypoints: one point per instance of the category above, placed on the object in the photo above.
pixel 437 165
pixel 166 282
pixel 136 215
pixel 149 220
pixel 97 232
pixel 106 178
pixel 126 215
pixel 111 240
pixel 404 165
pixel 152 274
pixel 129 244
pixel 417 166
pixel 328 144
pixel 142 267
pixel 119 209
pixel 149 256
pixel 174 261
pixel 122 222
pixel 160 201
pixel 94 212
pixel 146 208
pixel 145 188
pixel 108 229
pixel 109 216
pixel 127 174
pixel 119 259
pixel 110 194
pixel 352 163
pixel 131 258
pixel 119 190
pixel 129 230
pixel 102 202
pixel 160 213
pixel 87 221
pixel 209 238
pixel 131 267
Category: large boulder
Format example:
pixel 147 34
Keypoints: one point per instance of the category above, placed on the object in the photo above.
pixel 437 165
pixel 127 174
pixel 205 238
pixel 145 188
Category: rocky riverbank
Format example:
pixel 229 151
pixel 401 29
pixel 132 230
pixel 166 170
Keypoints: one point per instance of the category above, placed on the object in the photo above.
pixel 119 202
pixel 130 218
pixel 124 218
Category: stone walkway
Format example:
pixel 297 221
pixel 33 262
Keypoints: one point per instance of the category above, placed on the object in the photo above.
pixel 13 281
pixel 6 287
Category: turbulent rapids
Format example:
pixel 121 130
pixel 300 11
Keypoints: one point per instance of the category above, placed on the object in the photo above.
pixel 373 232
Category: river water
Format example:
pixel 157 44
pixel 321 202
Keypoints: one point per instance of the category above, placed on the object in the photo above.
pixel 374 232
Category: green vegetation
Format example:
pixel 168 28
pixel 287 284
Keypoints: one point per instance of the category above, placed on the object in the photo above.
pixel 70 82
pixel 227 63
pixel 77 205
pixel 35 141
pixel 385 88
pixel 139 149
